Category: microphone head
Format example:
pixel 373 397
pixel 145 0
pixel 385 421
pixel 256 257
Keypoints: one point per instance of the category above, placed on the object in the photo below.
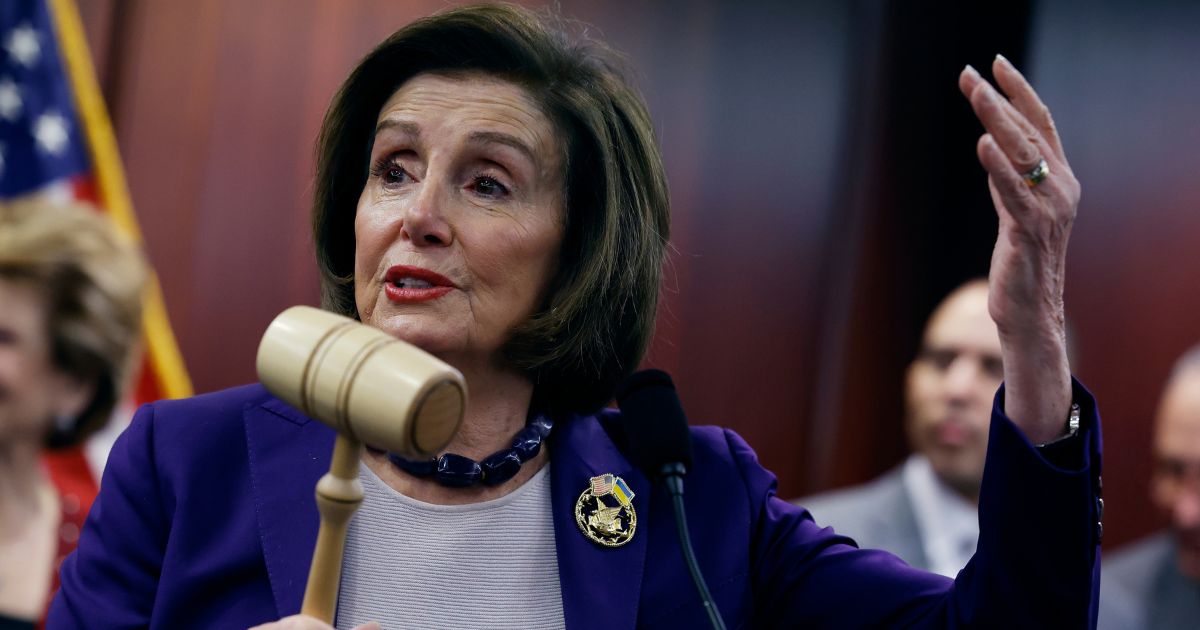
pixel 361 381
pixel 653 425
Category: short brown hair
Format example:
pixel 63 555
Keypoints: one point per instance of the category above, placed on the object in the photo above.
pixel 599 315
pixel 92 278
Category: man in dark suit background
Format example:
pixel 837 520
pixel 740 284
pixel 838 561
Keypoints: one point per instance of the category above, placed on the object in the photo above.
pixel 925 509
pixel 1155 583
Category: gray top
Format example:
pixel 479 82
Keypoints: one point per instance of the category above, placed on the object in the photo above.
pixel 1141 588
pixel 410 564
pixel 877 515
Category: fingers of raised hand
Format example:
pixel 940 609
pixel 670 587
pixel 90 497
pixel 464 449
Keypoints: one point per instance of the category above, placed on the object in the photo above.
pixel 1014 194
pixel 1026 101
pixel 1014 146
pixel 1022 105
pixel 1016 136
pixel 1055 198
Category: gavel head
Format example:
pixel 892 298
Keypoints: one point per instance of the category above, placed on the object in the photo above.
pixel 362 382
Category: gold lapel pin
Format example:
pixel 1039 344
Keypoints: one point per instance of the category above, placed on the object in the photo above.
pixel 604 512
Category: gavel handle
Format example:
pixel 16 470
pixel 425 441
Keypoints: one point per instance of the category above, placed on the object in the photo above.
pixel 339 494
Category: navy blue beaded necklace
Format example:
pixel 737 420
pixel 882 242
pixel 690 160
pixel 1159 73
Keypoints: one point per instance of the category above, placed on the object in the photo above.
pixel 460 472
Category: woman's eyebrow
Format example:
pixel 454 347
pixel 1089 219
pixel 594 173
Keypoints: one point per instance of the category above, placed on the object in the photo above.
pixel 403 126
pixel 496 137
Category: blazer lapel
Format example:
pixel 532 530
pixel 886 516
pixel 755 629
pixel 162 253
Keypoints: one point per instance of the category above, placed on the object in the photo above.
pixel 601 586
pixel 284 487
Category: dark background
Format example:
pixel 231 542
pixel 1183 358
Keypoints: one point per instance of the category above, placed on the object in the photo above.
pixel 825 190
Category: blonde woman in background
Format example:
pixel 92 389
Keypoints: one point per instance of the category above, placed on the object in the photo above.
pixel 70 315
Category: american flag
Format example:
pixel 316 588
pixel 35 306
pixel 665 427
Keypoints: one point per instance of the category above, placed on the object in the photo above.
pixel 42 147
pixel 602 484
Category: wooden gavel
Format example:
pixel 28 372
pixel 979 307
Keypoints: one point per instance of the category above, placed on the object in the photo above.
pixel 372 389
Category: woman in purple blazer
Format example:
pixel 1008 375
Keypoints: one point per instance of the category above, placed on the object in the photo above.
pixel 494 194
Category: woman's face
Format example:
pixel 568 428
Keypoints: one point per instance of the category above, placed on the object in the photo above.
pixel 32 390
pixel 459 225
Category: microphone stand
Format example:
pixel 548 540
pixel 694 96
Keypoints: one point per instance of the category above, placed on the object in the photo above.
pixel 672 475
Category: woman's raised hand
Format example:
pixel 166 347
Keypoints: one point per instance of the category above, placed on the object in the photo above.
pixel 1036 196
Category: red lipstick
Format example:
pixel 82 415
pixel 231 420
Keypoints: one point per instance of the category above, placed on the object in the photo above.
pixel 406 285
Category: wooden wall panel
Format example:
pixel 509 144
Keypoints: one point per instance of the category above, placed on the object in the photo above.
pixel 753 188
pixel 100 25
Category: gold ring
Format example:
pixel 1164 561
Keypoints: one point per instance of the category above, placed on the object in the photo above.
pixel 1037 174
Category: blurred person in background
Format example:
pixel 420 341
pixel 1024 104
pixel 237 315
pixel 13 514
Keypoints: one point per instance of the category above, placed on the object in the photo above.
pixel 70 315
pixel 925 510
pixel 1155 583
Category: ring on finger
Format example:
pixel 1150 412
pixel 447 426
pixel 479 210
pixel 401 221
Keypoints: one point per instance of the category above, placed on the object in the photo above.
pixel 1037 174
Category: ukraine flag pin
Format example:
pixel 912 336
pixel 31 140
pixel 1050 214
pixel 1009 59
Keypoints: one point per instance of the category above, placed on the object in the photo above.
pixel 604 512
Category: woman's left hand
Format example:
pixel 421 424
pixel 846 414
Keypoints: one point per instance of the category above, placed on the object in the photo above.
pixel 301 622
pixel 1036 211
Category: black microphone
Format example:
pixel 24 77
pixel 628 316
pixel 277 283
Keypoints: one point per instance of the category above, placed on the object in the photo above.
pixel 657 441
pixel 653 424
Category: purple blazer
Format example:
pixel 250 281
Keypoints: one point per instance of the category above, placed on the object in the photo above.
pixel 206 519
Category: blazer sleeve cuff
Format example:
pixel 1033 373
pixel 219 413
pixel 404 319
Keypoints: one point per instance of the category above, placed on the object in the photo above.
pixel 1071 454
pixel 1039 517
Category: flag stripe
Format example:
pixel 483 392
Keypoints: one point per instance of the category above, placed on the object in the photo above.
pixel 165 358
